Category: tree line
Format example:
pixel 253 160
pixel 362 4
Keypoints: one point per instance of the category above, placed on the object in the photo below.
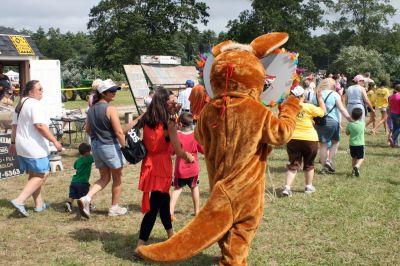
pixel 358 36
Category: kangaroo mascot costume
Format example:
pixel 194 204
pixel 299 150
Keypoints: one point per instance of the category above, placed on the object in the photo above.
pixel 236 130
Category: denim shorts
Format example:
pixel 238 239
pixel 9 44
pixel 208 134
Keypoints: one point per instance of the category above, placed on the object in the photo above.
pixel 328 132
pixel 106 155
pixel 34 165
pixel 78 190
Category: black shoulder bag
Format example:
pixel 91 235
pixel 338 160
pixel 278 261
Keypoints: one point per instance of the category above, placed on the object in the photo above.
pixel 321 121
pixel 134 150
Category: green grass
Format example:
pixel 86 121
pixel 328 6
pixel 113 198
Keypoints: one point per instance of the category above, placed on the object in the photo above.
pixel 348 220
pixel 123 98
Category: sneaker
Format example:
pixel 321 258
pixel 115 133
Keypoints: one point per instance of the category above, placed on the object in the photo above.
pixel 40 209
pixel 20 208
pixel 287 192
pixel 68 207
pixel 309 190
pixel 84 207
pixel 328 165
pixel 356 171
pixel 117 210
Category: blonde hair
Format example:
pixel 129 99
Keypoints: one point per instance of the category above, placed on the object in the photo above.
pixel 96 84
pixel 327 84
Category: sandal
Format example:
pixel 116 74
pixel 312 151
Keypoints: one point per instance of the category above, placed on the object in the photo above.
pixel 20 208
pixel 44 206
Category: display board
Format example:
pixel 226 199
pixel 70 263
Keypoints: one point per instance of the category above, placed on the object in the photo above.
pixel 137 80
pixel 170 75
pixel 8 163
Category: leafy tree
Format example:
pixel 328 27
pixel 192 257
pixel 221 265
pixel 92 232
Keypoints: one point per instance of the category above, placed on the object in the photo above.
pixel 297 18
pixel 365 18
pixel 125 29
pixel 353 60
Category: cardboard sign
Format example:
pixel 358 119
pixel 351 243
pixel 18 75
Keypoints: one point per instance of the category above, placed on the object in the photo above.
pixel 22 45
pixel 8 163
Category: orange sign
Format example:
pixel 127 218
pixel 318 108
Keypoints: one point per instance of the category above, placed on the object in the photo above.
pixel 22 45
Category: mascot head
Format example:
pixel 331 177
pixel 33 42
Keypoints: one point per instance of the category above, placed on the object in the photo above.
pixel 237 69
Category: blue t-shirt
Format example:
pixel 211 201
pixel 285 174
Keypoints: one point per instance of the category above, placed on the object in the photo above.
pixel 330 102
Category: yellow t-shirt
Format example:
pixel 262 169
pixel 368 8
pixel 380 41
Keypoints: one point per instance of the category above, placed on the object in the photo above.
pixel 372 97
pixel 382 95
pixel 304 122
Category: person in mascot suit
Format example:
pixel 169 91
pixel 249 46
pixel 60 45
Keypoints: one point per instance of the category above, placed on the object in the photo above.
pixel 236 130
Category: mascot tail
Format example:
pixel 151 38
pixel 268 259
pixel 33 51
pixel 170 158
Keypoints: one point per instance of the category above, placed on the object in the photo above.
pixel 210 225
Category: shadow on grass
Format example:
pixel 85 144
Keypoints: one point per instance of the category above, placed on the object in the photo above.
pixel 394 182
pixel 122 246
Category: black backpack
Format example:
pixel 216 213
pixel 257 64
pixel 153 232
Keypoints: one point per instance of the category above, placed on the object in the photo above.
pixel 134 150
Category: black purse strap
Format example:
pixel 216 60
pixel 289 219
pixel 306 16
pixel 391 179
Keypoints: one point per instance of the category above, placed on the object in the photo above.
pixel 325 102
pixel 20 109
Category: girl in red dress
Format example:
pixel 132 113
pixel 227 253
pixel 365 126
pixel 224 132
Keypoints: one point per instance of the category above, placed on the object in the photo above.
pixel 159 137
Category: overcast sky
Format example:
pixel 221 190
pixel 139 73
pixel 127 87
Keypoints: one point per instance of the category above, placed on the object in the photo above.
pixel 72 15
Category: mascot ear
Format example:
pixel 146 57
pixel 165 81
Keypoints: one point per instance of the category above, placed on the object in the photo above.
pixel 216 50
pixel 266 43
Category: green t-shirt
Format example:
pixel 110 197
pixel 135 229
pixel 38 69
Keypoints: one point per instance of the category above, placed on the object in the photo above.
pixel 356 130
pixel 83 168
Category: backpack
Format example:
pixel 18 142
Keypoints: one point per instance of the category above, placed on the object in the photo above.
pixel 134 150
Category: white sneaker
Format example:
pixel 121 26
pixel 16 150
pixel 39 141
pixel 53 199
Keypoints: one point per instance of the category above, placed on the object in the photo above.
pixel 287 192
pixel 84 207
pixel 309 190
pixel 117 210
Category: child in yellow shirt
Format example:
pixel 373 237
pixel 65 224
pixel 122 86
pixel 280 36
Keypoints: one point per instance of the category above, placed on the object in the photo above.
pixel 372 98
pixel 382 95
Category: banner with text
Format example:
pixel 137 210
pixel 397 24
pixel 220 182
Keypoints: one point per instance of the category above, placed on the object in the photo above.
pixel 8 163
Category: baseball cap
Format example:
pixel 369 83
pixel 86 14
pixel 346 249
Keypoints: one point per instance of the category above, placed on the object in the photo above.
pixel 358 78
pixel 297 91
pixel 107 85
pixel 190 83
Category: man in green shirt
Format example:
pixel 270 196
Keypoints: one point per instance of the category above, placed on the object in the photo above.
pixel 356 131
pixel 80 181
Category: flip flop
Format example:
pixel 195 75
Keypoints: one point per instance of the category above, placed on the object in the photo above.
pixel 20 208
pixel 44 206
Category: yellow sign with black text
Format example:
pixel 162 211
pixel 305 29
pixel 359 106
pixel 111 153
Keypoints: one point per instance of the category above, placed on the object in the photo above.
pixel 22 45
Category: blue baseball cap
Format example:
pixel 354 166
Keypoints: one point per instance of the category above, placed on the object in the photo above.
pixel 190 83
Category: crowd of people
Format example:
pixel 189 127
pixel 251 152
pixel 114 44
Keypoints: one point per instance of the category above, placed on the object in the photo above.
pixel 331 98
pixel 324 101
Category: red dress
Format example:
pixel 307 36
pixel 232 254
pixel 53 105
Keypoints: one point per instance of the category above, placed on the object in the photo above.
pixel 156 171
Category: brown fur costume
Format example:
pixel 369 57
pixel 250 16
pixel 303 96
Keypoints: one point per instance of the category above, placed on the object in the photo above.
pixel 236 131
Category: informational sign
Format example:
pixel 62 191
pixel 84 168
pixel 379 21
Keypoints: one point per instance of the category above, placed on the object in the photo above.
pixel 22 45
pixel 8 163
pixel 160 60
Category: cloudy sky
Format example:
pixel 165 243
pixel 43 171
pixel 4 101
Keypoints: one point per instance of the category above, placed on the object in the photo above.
pixel 72 15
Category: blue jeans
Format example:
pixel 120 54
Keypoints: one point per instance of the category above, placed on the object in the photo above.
pixel 396 126
pixel 107 155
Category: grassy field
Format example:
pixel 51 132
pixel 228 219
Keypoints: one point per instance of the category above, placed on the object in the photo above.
pixel 348 220
pixel 123 98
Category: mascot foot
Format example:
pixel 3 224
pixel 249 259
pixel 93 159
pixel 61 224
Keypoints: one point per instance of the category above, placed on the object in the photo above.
pixel 214 220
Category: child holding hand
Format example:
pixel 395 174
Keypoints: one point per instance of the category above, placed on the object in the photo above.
pixel 80 181
pixel 186 173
